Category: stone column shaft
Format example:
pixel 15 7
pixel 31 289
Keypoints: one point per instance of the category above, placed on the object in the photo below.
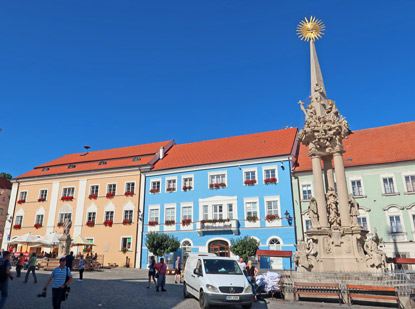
pixel 328 173
pixel 319 192
pixel 342 194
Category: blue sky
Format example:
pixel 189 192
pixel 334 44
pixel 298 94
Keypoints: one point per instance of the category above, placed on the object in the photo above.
pixel 119 73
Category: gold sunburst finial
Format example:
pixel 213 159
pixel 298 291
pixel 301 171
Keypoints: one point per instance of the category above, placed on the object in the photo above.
pixel 310 29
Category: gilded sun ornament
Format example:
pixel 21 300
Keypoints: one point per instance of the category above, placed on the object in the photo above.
pixel 310 29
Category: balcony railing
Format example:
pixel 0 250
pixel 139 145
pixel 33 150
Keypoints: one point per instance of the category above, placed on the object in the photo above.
pixel 231 225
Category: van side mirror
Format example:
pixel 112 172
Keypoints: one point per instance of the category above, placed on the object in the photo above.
pixel 196 272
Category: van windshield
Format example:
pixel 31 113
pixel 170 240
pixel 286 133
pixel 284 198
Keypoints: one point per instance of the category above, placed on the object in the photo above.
pixel 221 267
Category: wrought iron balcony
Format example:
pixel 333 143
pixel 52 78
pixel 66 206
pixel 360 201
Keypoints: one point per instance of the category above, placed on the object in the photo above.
pixel 211 226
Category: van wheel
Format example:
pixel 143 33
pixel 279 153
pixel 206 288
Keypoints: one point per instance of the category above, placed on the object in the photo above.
pixel 202 301
pixel 185 292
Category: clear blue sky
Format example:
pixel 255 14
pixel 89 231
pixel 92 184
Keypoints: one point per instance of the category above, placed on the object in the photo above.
pixel 119 73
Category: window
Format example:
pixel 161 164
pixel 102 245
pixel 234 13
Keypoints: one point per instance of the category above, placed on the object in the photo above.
pixel 230 211
pixel 250 175
pixel 112 188
pixel 270 173
pixel 1 211
pixel 413 220
pixel 155 186
pixel 217 212
pixel 129 186
pixel 171 185
pixel 218 178
pixel 410 183
pixel 69 191
pixel 63 216
pixel 205 212
pixel 91 240
pixel 154 215
pixel 388 185
pixel 23 195
pixel 39 219
pixel 395 224
pixel 71 166
pixel 92 216
pixel 128 215
pixel 187 212
pixel 170 214
pixel 362 221
pixel 94 189
pixel 126 243
pixel 45 169
pixel 102 163
pixel 306 189
pixel 187 183
pixel 136 159
pixel 43 194
pixel 109 215
pixel 307 225
pixel 19 220
pixel 272 208
pixel 251 209
pixel 357 188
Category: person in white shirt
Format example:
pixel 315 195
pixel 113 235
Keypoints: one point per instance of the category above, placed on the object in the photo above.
pixel 242 264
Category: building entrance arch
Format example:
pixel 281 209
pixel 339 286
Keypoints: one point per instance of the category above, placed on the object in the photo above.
pixel 219 247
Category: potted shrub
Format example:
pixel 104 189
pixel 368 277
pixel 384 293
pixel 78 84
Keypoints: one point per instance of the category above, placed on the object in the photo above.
pixel 108 223
pixel 124 250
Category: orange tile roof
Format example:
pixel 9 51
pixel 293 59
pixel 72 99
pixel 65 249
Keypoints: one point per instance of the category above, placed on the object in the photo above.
pixel 395 143
pixel 258 145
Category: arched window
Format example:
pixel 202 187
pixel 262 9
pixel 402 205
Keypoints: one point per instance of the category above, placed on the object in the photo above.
pixel 275 262
pixel 186 249
pixel 219 247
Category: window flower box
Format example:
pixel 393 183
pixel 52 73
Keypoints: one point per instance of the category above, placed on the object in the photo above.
pixel 270 180
pixel 153 191
pixel 38 225
pixel 124 250
pixel 93 196
pixel 17 226
pixel 108 223
pixel 41 199
pixel 217 185
pixel 21 201
pixel 271 218
pixel 187 188
pixel 127 221
pixel 110 195
pixel 186 222
pixel 129 193
pixel 252 218
pixel 250 182
pixel 170 190
pixel 60 224
pixel 170 222
pixel 152 223
pixel 90 223
pixel 67 198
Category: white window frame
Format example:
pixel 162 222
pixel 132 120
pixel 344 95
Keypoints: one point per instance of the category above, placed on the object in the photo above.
pixel 190 226
pixel 132 214
pixel 63 190
pixel 63 214
pixel 43 218
pixel 361 183
pixel 250 170
pixel 395 189
pixel 126 184
pixel 224 200
pixel 20 195
pixel 40 193
pixel 157 226
pixel 183 177
pixel 108 186
pixel 113 215
pixel 269 167
pixel 90 189
pixel 21 221
pixel 129 249
pixel 277 222
pixel 364 212
pixel 91 212
pixel 395 210
pixel 166 182
pixel 251 200
pixel 406 174
pixel 218 173
pixel 301 189
pixel 156 180
pixel 174 207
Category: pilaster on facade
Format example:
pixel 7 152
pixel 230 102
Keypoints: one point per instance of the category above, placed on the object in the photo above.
pixel 10 214
pixel 53 207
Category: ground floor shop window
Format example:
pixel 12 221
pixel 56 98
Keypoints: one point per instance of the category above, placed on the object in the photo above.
pixel 126 243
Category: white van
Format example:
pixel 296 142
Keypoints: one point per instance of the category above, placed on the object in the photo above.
pixel 216 280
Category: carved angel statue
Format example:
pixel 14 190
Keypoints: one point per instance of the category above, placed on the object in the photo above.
pixel 304 255
pixel 313 214
pixel 334 216
pixel 354 210
pixel 375 257
pixel 67 226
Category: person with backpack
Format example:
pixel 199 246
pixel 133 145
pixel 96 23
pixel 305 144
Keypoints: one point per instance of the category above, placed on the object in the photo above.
pixel 61 277
pixel 32 268
pixel 5 274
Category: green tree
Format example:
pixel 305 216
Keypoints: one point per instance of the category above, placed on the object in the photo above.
pixel 160 244
pixel 5 175
pixel 244 247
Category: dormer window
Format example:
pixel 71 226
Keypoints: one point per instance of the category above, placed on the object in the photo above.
pixel 71 166
pixel 102 162
pixel 45 169
pixel 135 159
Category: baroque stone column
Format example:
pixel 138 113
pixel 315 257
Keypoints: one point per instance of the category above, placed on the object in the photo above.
pixel 328 172
pixel 343 196
pixel 319 191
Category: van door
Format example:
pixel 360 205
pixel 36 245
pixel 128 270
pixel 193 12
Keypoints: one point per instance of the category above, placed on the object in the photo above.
pixel 192 280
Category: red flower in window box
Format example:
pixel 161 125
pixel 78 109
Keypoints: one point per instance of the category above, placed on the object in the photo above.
pixel 60 224
pixel 252 218
pixel 17 226
pixel 271 218
pixel 152 223
pixel 250 182
pixel 154 191
pixel 186 222
pixel 41 199
pixel 66 198
pixel 38 225
pixel 270 180
pixel 129 193
pixel 93 196
pixel 108 223
pixel 110 195
pixel 170 189
pixel 21 201
pixel 170 222
pixel 186 188
pixel 127 221
pixel 90 223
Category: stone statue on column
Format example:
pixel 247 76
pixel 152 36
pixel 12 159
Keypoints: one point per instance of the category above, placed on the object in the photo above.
pixel 65 240
pixel 334 217
pixel 313 214
pixel 354 211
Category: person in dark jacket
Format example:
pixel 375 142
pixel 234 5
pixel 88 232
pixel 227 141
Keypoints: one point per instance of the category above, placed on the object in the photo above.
pixel 69 259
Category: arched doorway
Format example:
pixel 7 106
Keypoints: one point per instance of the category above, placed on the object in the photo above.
pixel 275 262
pixel 219 247
pixel 186 249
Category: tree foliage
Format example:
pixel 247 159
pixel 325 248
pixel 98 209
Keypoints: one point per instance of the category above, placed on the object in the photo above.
pixel 244 247
pixel 6 175
pixel 160 244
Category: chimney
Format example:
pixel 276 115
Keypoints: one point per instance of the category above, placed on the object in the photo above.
pixel 161 153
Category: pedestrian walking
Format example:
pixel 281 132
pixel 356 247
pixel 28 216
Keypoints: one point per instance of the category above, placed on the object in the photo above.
pixel 61 277
pixel 161 280
pixel 242 264
pixel 251 273
pixel 69 260
pixel 151 272
pixel 81 268
pixel 5 275
pixel 20 264
pixel 31 268
pixel 178 270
